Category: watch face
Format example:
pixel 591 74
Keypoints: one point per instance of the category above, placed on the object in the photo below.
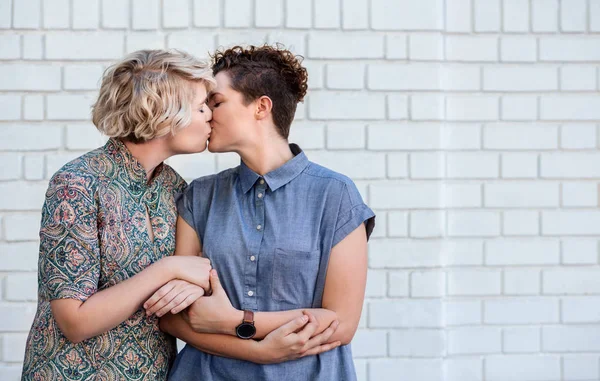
pixel 245 330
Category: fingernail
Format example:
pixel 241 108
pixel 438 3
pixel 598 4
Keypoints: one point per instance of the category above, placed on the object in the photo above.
pixel 304 318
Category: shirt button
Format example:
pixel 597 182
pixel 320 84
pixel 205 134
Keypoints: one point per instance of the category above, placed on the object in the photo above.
pixel 250 293
pixel 261 181
pixel 253 258
pixel 258 227
pixel 260 195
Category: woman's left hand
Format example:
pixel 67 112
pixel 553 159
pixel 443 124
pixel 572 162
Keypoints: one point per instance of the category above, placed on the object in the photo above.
pixel 214 313
pixel 174 296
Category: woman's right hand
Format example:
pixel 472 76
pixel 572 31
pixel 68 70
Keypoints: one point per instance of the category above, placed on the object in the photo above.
pixel 293 340
pixel 191 268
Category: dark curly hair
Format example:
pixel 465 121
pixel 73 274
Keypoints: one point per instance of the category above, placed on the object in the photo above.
pixel 266 70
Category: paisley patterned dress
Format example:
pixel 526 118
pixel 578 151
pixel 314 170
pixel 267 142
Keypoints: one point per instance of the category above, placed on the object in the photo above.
pixel 94 235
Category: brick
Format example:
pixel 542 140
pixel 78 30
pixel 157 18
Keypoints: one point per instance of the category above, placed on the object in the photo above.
pixel 473 224
pixel 84 46
pixel 227 160
pixel 11 46
pixel 471 48
pixel 301 17
pixel 207 13
pixel 520 223
pixel 519 107
pixel 532 367
pixel 16 317
pixel 85 14
pixel 577 77
pixel 521 282
pixel 22 227
pixel 474 340
pixel 571 339
pixel 427 224
pixel 463 369
pixel 405 313
pixel 308 135
pixel 461 136
pixel 427 284
pixel 10 108
pixel 574 108
pixel 427 165
pixel 521 195
pixel 579 194
pixel 521 311
pixel 21 287
pixel 396 196
pixel 569 49
pixel 578 136
pixel 145 14
pixel 472 108
pixel 346 76
pixel 195 165
pixel 460 77
pixel 399 253
pixel 33 47
pixel 487 15
pixel 518 49
pixel 268 13
pixel 594 15
pixel 544 15
pixel 467 165
pixel 376 283
pixel 529 137
pixel 82 77
pixel 399 283
pixel 403 77
pixel 580 367
pixel 461 195
pixel 474 282
pixel 458 15
pixel 505 252
pixel 334 45
pixel 573 16
pixel 519 79
pixel 295 41
pixel 416 343
pixel 463 253
pixel 521 339
pixel 83 137
pixel 396 47
pixel 5 18
pixel 406 14
pixel 19 256
pixel 370 343
pixel 360 365
pixel 13 347
pixel 346 136
pixel 327 14
pixel 381 230
pixel 570 222
pixel 34 167
pixel 579 251
pixel 571 281
pixel 322 105
pixel 580 309
pixel 316 74
pixel 515 16
pixel 56 14
pixel 519 165
pixel 238 13
pixel 462 312
pixel 115 14
pixel 410 369
pixel 69 107
pixel 191 43
pixel 10 166
pixel 26 14
pixel 33 107
pixel 176 14
pixel 426 47
pixel 397 105
pixel 427 107
pixel 355 165
pixel 398 224
pixel 403 137
pixel 145 40
pixel 355 14
pixel 30 77
pixel 570 165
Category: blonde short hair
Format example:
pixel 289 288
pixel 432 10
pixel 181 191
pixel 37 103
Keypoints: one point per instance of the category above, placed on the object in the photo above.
pixel 149 94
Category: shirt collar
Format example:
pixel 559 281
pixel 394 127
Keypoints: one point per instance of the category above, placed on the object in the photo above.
pixel 121 155
pixel 277 177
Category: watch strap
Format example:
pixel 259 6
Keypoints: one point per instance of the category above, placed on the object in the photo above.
pixel 248 317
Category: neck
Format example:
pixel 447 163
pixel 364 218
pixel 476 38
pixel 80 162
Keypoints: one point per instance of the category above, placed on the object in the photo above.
pixel 267 155
pixel 149 154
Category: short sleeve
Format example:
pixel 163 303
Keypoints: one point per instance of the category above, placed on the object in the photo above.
pixel 69 264
pixel 184 201
pixel 352 212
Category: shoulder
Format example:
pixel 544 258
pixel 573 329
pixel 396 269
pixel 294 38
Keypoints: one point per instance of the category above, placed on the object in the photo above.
pixel 79 172
pixel 335 181
pixel 173 178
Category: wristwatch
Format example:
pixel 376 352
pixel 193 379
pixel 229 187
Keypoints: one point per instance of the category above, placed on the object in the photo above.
pixel 246 329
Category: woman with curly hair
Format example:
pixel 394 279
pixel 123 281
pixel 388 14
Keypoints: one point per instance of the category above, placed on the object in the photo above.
pixel 287 236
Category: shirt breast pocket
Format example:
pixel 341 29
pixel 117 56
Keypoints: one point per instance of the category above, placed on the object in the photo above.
pixel 295 276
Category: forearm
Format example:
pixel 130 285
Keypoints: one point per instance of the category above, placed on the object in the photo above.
pixel 108 308
pixel 215 344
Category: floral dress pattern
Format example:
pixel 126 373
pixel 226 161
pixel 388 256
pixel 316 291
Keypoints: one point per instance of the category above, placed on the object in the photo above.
pixel 94 235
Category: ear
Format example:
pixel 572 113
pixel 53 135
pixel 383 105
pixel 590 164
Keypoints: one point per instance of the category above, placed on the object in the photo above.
pixel 264 105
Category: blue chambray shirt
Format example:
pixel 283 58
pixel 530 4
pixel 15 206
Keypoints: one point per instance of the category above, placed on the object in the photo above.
pixel 270 239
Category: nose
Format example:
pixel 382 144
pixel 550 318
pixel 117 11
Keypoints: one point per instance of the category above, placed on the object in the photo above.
pixel 208 114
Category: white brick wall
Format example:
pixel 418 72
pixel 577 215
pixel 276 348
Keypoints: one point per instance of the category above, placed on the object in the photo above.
pixel 471 127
